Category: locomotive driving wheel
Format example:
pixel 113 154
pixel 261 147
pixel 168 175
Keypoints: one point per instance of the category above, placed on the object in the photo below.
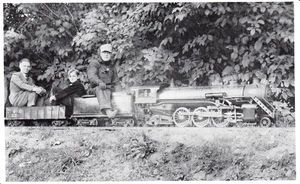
pixel 219 122
pixel 181 117
pixel 197 119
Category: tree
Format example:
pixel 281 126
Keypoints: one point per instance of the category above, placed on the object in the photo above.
pixel 157 42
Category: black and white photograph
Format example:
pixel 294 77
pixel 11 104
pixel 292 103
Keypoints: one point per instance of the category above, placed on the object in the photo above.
pixel 149 91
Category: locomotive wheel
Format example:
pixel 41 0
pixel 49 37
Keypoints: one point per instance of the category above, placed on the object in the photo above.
pixel 220 122
pixel 159 120
pixel 59 123
pixel 153 121
pixel 82 122
pixel 265 122
pixel 197 119
pixel 181 117
pixel 86 122
pixel 129 123
pixel 14 123
pixel 40 123
pixel 94 122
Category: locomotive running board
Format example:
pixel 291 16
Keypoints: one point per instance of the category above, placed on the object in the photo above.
pixel 259 102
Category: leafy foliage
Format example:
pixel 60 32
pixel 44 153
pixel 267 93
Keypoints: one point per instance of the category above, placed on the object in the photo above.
pixel 157 42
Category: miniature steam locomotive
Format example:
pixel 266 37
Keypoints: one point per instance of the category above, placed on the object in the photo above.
pixel 219 106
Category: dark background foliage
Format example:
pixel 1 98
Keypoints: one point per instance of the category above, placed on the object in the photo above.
pixel 157 42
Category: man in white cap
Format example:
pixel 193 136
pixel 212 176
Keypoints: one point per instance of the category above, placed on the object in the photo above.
pixel 103 76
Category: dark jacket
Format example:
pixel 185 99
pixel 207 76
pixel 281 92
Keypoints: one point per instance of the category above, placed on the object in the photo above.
pixel 75 89
pixel 100 73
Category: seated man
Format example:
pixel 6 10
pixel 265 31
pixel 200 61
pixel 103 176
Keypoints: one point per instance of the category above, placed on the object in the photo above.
pixel 102 75
pixel 23 92
pixel 67 95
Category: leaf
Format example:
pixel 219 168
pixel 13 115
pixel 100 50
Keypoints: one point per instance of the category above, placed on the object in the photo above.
pixel 185 48
pixel 285 96
pixel 246 60
pixel 272 79
pixel 58 22
pixel 227 70
pixel 67 25
pixel 43 43
pixel 177 9
pixel 207 12
pixel 43 26
pixel 180 16
pixel 223 22
pixel 261 21
pixel 234 55
pixel 260 74
pixel 258 45
pixel 286 83
pixel 166 41
pixel 243 20
pixel 245 40
pixel 182 30
pixel 53 33
pixel 237 68
pixel 262 9
pixel 61 29
pixel 272 68
pixel 264 81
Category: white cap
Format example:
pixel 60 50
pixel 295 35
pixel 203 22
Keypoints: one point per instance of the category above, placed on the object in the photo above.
pixel 106 48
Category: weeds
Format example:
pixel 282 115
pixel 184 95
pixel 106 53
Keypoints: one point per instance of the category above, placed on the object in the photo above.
pixel 282 168
pixel 139 147
pixel 15 151
pixel 69 163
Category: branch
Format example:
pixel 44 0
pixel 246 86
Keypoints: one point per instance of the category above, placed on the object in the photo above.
pixel 45 15
pixel 28 19
pixel 71 17
pixel 45 61
pixel 21 25
pixel 50 10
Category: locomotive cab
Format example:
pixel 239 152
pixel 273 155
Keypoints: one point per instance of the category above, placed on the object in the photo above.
pixel 145 94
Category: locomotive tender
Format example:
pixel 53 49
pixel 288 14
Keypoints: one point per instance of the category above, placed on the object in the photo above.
pixel 218 106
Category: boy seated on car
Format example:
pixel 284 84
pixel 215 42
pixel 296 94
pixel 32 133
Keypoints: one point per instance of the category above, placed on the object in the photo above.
pixel 66 96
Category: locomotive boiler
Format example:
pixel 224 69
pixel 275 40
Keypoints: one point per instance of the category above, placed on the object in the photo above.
pixel 219 106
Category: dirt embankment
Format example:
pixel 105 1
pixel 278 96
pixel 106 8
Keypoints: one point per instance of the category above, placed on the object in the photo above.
pixel 95 154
